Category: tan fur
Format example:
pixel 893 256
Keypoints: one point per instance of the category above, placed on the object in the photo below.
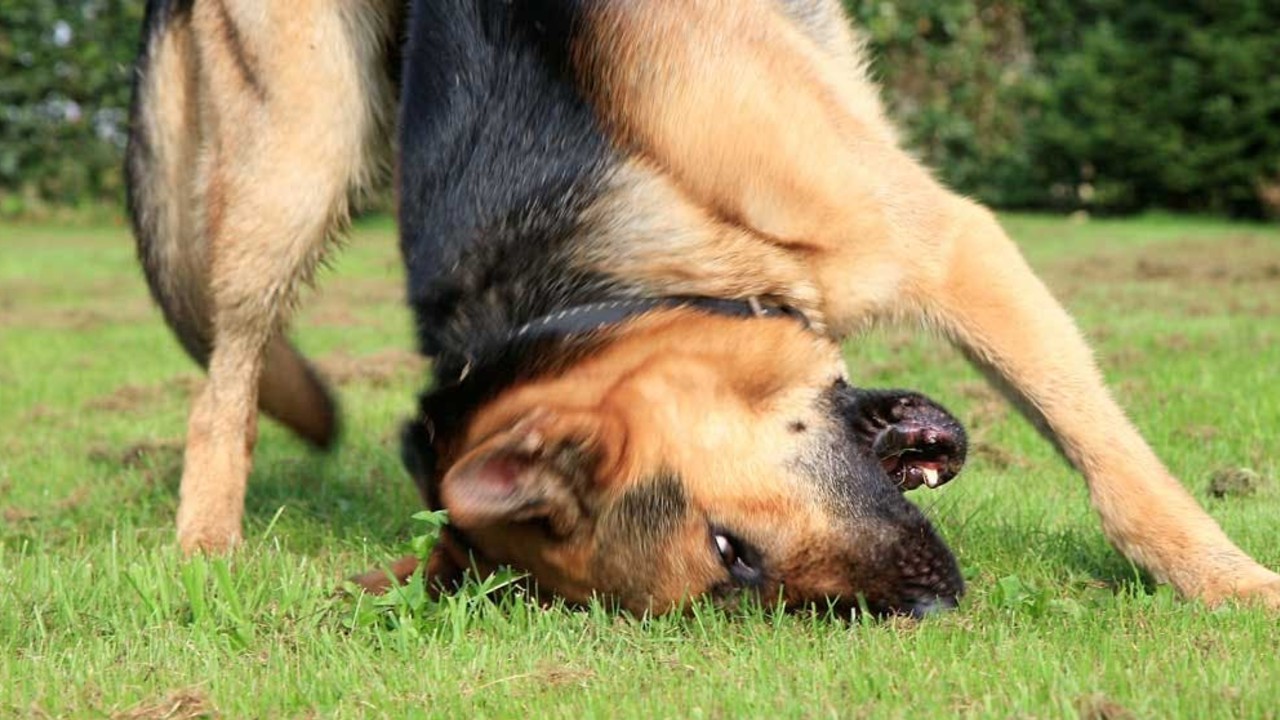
pixel 255 148
pixel 805 160
pixel 758 152
pixel 662 397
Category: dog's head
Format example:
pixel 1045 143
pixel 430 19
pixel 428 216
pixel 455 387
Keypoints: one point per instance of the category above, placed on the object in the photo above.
pixel 699 456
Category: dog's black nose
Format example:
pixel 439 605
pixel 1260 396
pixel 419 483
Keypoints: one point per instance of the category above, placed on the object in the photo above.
pixel 932 605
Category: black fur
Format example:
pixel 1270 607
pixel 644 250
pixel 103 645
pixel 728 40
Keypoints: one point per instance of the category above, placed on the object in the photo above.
pixel 445 407
pixel 158 14
pixel 500 154
pixel 647 513
pixel 139 157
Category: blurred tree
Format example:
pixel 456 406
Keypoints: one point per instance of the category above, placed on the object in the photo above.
pixel 1111 105
pixel 64 92
pixel 1160 104
pixel 960 79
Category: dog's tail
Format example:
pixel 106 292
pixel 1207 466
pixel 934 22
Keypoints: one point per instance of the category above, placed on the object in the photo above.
pixel 162 168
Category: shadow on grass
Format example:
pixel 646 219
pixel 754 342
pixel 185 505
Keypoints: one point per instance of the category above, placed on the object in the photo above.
pixel 351 495
pixel 996 545
pixel 310 500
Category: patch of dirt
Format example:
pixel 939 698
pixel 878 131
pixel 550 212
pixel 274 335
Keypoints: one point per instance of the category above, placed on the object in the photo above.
pixel 550 675
pixel 158 462
pixel 178 705
pixel 14 515
pixel 986 405
pixel 148 453
pixel 331 315
pixel 1200 433
pixel 38 413
pixel 1124 357
pixel 1212 646
pixel 558 676
pixel 380 369
pixel 1175 342
pixel 1127 357
pixel 1259 307
pixel 40 304
pixel 339 303
pixel 1213 272
pixel 874 373
pixel 1100 707
pixel 1130 389
pixel 1230 260
pixel 1235 482
pixel 185 386
pixel 999 458
pixel 127 398
pixel 133 398
pixel 1230 274
pixel 75 499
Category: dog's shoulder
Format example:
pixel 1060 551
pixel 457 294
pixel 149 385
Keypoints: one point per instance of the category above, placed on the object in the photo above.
pixel 500 155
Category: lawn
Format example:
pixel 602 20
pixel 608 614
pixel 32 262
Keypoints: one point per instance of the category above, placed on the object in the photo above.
pixel 100 617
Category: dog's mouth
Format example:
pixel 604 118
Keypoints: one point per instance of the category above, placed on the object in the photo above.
pixel 916 441
pixel 919 453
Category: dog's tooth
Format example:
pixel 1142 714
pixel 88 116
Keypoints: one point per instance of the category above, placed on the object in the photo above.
pixel 931 477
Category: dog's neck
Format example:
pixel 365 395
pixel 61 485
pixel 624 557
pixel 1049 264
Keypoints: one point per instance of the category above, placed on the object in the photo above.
pixel 582 321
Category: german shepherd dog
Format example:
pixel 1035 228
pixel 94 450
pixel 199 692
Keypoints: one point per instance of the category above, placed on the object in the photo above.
pixel 635 233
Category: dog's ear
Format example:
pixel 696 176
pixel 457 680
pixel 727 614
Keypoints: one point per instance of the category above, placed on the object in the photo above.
pixel 533 472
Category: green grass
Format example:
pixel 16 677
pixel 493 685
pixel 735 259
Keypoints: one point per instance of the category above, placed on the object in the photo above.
pixel 99 617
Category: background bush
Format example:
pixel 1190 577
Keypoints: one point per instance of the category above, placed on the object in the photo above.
pixel 64 97
pixel 1113 105
pixel 1109 105
pixel 1175 104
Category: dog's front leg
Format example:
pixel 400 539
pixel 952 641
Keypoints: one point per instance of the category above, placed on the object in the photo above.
pixel 989 302
pixel 760 124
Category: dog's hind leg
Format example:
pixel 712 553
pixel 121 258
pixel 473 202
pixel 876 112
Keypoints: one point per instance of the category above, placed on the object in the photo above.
pixel 292 104
pixel 756 121
pixel 168 206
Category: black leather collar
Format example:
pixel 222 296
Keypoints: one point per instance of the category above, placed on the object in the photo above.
pixel 580 320
pixel 592 317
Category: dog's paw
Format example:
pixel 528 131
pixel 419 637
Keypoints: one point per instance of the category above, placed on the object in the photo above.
pixel 1265 593
pixel 208 536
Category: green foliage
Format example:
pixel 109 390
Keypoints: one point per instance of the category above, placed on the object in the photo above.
pixel 958 75
pixel 1101 104
pixel 1175 105
pixel 411 609
pixel 64 95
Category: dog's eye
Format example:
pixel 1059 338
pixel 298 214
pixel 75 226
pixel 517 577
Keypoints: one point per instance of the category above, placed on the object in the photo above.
pixel 740 559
